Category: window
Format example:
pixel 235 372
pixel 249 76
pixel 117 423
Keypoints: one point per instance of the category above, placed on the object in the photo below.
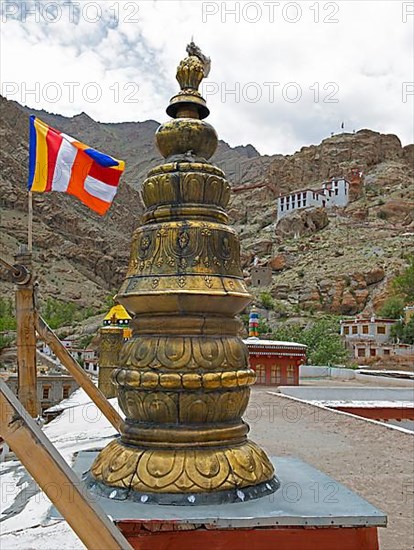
pixel 261 374
pixel 281 207
pixel 354 330
pixel 46 392
pixel 373 352
pixel 304 202
pixel 387 352
pixel 381 330
pixel 336 191
pixel 346 330
pixel 65 392
pixel 95 367
pixel 290 374
pixel 275 375
pixel 304 196
pixel 361 352
pixel 365 329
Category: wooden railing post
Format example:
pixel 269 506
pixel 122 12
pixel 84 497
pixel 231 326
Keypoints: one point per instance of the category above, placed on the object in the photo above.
pixel 26 337
pixel 49 469
pixel 50 338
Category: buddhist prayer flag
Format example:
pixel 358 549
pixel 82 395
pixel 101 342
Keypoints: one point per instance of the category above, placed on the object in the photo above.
pixel 253 323
pixel 59 162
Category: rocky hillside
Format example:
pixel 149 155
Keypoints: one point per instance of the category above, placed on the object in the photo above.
pixel 80 256
pixel 339 261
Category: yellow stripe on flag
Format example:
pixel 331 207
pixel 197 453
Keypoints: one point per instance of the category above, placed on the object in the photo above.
pixel 40 178
pixel 121 166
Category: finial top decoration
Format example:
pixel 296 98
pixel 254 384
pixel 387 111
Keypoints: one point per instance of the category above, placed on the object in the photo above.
pixel 190 72
pixel 193 50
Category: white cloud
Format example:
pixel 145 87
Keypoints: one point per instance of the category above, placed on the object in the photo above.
pixel 132 49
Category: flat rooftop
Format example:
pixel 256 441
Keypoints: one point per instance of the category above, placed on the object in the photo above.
pixel 374 460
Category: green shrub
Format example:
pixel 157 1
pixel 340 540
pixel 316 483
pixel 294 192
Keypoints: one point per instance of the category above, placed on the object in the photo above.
pixel 7 314
pixel 267 300
pixel 393 308
pixel 58 314
pixel 404 283
pixel 5 341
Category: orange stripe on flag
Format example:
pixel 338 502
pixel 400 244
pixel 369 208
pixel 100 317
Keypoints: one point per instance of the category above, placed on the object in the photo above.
pixel 80 171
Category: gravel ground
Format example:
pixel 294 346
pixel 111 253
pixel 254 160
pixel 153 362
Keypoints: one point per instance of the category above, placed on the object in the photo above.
pixel 375 461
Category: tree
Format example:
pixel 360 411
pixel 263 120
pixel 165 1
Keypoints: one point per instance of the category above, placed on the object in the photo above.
pixel 409 332
pixel 403 332
pixel 325 345
pixel 393 308
pixel 404 283
pixel 397 331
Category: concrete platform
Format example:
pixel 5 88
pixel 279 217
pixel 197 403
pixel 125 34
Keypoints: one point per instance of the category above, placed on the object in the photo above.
pixel 306 498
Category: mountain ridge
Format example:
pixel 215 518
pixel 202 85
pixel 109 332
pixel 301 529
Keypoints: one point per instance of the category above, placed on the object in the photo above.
pixel 81 257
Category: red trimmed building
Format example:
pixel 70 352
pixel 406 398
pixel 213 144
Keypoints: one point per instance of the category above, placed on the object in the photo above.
pixel 276 363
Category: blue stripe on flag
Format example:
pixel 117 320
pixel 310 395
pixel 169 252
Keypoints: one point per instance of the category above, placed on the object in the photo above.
pixel 32 151
pixel 103 160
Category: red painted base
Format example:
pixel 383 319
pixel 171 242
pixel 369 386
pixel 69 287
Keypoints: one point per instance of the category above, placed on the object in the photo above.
pixel 167 536
pixel 380 413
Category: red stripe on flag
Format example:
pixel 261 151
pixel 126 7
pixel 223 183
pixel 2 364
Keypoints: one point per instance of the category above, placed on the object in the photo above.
pixel 53 141
pixel 107 175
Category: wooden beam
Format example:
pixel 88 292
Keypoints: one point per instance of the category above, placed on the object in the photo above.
pixel 49 470
pixel 26 340
pixel 50 338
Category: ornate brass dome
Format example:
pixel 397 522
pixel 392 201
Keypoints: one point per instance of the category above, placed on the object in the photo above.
pixel 184 377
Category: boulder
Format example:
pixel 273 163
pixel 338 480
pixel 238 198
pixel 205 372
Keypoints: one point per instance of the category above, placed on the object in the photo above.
pixel 375 275
pixel 280 262
pixel 301 223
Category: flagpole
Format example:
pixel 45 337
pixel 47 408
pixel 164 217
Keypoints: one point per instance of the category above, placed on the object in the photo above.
pixel 30 225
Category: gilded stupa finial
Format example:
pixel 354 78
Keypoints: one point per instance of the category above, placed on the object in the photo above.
pixel 183 378
pixel 190 72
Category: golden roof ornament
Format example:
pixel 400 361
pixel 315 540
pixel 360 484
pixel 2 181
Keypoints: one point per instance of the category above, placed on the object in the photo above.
pixel 184 379
pixel 190 73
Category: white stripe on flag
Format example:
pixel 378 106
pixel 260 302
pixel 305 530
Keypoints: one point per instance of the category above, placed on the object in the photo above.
pixel 63 169
pixel 99 189
pixel 68 138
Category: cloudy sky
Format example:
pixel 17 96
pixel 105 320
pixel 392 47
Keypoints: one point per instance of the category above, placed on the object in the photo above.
pixel 284 74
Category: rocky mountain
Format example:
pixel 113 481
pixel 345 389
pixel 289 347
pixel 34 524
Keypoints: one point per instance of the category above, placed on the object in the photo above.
pixel 337 261
pixel 80 256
